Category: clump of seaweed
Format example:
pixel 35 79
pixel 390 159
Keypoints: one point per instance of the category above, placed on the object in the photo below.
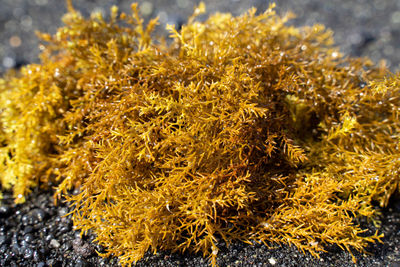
pixel 242 128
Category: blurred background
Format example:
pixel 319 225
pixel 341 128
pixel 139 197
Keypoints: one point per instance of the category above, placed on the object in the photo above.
pixel 362 27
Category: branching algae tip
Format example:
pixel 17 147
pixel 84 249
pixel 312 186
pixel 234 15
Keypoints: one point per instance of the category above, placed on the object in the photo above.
pixel 241 128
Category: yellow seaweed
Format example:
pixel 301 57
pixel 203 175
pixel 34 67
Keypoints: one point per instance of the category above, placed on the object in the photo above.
pixel 241 128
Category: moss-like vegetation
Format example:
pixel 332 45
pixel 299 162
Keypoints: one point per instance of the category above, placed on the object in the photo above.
pixel 240 128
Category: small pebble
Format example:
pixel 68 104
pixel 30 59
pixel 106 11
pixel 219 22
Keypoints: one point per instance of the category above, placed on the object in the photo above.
pixel 64 229
pixel 28 229
pixel 38 215
pixel 62 212
pixel 36 256
pixel 3 249
pixel 3 239
pixel 4 211
pixel 54 243
pixel 49 237
pixel 28 253
pixel 66 246
pixel 15 249
pixel 28 238
pixel 272 261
